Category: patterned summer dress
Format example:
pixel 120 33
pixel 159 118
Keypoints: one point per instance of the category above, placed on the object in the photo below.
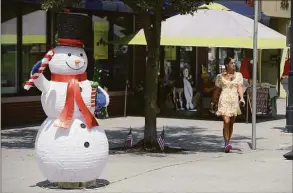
pixel 228 104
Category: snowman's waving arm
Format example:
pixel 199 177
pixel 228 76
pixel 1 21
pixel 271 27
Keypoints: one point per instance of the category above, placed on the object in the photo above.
pixel 41 82
pixel 102 100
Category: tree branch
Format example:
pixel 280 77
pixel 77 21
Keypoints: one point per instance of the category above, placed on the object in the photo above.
pixel 133 5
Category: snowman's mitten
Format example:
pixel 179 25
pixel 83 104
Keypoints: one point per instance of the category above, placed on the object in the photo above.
pixel 36 67
pixel 102 98
pixel 97 111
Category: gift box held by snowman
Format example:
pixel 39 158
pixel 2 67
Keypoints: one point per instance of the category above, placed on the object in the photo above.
pixel 70 145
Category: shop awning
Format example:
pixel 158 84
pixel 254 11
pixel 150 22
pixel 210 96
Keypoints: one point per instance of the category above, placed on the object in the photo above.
pixel 26 39
pixel 34 29
pixel 212 25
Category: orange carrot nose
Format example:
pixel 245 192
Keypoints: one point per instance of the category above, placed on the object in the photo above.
pixel 77 61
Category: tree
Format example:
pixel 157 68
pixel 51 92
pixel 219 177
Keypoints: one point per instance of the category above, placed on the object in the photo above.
pixel 60 4
pixel 152 12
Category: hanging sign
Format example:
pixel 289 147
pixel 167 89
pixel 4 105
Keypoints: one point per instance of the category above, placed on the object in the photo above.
pixel 170 52
pixel 101 30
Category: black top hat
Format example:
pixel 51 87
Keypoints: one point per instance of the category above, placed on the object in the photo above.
pixel 73 29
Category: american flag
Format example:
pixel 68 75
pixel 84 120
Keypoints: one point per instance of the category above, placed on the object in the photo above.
pixel 129 139
pixel 161 140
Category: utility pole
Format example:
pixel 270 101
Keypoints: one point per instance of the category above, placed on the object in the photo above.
pixel 289 109
pixel 254 74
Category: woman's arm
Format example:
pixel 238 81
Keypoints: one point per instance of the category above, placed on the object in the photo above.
pixel 217 88
pixel 240 86
pixel 240 91
pixel 215 94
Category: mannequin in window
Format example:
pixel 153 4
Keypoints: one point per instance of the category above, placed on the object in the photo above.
pixel 188 90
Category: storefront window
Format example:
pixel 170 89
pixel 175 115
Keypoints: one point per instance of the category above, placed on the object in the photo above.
pixel 101 50
pixel 113 65
pixel 211 68
pixel 33 39
pixel 8 51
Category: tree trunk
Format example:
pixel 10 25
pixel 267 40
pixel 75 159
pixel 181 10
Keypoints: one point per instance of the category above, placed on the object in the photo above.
pixel 152 31
pixel 151 89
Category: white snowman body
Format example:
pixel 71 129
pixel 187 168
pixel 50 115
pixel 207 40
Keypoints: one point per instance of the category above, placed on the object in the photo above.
pixel 53 102
pixel 76 154
pixel 71 155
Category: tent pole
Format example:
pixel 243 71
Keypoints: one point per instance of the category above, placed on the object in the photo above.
pixel 254 79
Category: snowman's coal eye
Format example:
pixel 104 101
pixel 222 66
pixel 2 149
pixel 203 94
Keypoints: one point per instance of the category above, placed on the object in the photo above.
pixel 69 54
pixel 81 54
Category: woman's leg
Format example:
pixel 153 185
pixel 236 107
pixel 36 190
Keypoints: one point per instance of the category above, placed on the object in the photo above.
pixel 226 128
pixel 232 121
pixel 226 133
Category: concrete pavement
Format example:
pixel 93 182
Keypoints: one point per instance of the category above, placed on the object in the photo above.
pixel 203 169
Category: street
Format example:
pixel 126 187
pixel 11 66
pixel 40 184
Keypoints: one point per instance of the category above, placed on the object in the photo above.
pixel 204 168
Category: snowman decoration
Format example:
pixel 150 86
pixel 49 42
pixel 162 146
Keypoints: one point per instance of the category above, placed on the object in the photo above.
pixel 70 145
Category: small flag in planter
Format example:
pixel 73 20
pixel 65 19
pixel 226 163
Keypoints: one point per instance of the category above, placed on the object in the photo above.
pixel 129 139
pixel 161 140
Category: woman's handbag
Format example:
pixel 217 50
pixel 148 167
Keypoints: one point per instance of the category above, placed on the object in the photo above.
pixel 214 105
pixel 213 108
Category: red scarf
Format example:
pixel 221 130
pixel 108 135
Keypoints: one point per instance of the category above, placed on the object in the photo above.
pixel 73 93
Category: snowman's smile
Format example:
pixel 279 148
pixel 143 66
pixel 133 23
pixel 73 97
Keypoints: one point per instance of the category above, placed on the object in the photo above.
pixel 72 67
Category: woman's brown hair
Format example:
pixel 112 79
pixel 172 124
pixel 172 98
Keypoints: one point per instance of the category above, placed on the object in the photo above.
pixel 227 60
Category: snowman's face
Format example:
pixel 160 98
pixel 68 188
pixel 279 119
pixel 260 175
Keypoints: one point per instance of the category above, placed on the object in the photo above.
pixel 68 60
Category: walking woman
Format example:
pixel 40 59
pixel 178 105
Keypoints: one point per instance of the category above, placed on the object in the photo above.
pixel 229 86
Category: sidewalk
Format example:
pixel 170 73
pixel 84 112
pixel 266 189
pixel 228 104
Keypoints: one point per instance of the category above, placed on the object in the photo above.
pixel 203 169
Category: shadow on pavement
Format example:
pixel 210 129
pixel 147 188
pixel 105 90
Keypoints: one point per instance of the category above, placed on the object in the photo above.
pixel 18 139
pixel 283 129
pixel 193 139
pixel 99 183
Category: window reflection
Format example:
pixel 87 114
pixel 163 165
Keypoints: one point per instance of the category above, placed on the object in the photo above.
pixel 122 58
pixel 8 51
pixel 113 64
pixel 34 40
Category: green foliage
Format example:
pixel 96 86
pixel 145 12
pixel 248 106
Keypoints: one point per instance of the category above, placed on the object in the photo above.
pixel 186 6
pixel 97 72
pixel 169 6
pixel 60 4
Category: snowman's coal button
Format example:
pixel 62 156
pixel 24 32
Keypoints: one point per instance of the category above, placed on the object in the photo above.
pixel 83 125
pixel 86 144
pixel 80 89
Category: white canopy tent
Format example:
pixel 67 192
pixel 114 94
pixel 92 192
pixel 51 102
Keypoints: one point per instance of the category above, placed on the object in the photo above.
pixel 213 26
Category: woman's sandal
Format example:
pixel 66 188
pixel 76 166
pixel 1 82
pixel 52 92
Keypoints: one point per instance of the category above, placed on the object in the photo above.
pixel 228 148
